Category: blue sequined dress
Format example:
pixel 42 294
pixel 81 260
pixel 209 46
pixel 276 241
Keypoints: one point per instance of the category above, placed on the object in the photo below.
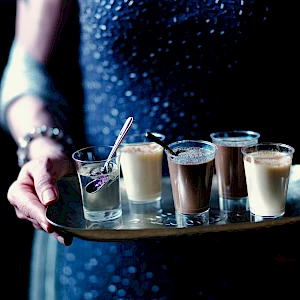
pixel 179 67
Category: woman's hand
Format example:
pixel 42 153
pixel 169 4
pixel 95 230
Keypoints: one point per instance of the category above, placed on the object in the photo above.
pixel 36 188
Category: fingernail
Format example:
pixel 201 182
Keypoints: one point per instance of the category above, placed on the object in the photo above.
pixel 48 196
pixel 61 240
pixel 44 226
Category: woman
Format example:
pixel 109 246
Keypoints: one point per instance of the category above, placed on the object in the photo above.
pixel 82 68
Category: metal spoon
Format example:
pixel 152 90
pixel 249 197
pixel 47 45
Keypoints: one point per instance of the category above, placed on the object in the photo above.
pixel 155 139
pixel 97 184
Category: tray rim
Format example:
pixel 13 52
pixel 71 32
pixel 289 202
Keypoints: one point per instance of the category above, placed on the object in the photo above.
pixel 119 234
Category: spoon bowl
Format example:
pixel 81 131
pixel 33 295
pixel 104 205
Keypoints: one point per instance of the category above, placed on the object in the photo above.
pixel 99 183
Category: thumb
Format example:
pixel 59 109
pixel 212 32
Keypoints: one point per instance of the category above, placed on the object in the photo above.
pixel 49 194
pixel 44 172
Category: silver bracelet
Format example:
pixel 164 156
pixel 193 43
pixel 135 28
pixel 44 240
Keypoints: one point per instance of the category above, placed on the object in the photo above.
pixel 51 132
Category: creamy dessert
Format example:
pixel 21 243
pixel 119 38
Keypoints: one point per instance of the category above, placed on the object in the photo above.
pixel 142 171
pixel 191 173
pixel 267 176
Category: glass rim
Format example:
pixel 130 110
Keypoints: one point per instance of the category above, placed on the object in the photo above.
pixel 290 149
pixel 93 161
pixel 225 134
pixel 213 151
pixel 159 135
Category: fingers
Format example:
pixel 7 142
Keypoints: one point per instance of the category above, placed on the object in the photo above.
pixel 35 189
pixel 32 210
pixel 64 238
pixel 27 205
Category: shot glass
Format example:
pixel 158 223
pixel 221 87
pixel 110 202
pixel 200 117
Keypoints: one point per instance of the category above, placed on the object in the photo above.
pixel 191 173
pixel 105 203
pixel 267 167
pixel 141 164
pixel 232 186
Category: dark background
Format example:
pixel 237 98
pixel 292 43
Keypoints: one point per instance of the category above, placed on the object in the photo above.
pixel 16 235
pixel 276 80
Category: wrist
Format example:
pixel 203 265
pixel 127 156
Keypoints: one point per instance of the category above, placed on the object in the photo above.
pixel 43 141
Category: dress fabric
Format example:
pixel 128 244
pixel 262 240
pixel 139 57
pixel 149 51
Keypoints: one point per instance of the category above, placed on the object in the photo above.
pixel 173 66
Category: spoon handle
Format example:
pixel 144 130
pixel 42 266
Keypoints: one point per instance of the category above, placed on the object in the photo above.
pixel 155 139
pixel 118 141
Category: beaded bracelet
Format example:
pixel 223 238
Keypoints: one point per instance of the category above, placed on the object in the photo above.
pixel 51 132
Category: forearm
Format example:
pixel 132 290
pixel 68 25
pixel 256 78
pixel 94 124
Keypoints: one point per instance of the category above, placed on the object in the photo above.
pixel 28 95
pixel 29 98
pixel 38 23
pixel 26 113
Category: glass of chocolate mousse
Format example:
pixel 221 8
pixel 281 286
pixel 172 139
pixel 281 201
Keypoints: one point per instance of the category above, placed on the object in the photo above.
pixel 191 173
